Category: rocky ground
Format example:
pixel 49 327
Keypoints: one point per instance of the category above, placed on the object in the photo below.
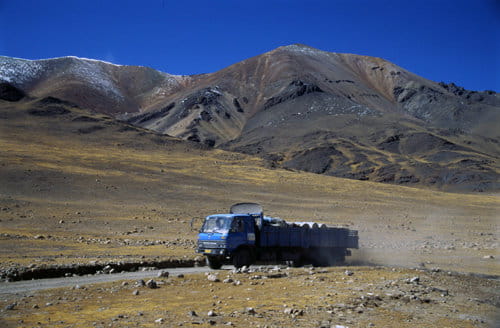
pixel 267 297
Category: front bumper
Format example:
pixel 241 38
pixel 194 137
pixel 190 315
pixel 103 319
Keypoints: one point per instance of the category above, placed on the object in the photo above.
pixel 212 248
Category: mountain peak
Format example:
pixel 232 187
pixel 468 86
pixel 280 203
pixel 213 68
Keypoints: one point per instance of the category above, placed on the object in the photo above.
pixel 302 49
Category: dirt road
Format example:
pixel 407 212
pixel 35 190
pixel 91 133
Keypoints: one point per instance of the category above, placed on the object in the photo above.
pixel 20 287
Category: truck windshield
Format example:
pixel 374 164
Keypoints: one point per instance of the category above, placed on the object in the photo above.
pixel 218 224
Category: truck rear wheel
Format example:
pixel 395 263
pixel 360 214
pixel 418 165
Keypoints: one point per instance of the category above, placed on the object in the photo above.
pixel 242 257
pixel 214 262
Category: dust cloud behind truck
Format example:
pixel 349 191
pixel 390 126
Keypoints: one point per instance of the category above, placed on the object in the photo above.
pixel 245 236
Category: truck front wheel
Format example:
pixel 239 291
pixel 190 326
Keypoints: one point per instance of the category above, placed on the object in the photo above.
pixel 214 262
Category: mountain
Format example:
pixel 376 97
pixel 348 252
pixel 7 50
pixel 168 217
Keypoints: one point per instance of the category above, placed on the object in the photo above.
pixel 300 108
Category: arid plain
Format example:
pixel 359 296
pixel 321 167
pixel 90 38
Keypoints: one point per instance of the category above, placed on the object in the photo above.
pixel 79 188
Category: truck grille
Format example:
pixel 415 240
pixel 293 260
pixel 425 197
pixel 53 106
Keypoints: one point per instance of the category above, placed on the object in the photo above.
pixel 211 244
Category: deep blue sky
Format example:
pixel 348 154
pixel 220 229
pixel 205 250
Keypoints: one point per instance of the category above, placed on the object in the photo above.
pixel 442 40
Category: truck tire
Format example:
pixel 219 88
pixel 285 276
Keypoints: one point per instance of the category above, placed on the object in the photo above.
pixel 242 257
pixel 214 262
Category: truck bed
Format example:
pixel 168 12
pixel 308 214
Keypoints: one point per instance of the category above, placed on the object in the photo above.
pixel 293 236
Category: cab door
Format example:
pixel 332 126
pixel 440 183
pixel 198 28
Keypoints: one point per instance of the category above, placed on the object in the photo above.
pixel 238 234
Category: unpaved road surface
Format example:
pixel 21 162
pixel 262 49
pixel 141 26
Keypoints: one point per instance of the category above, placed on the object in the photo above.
pixel 19 287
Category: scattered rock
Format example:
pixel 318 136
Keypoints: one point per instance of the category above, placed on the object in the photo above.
pixel 11 307
pixel 160 320
pixel 414 280
pixel 163 274
pixel 348 273
pixel 487 257
pixel 277 275
pixel 293 312
pixel 211 313
pixel 250 310
pixel 213 278
pixel 135 292
pixel 107 269
pixel 151 284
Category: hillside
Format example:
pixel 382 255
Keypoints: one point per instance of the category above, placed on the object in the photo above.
pixel 299 108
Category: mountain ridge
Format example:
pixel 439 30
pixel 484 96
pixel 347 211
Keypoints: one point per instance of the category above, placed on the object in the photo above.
pixel 301 108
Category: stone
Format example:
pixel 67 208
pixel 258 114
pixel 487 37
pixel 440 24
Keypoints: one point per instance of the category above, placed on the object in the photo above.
pixel 180 275
pixel 11 307
pixel 160 320
pixel 213 278
pixel 227 280
pixel 211 313
pixel 140 283
pixel 250 310
pixel 151 284
pixel 163 274
pixel 415 280
pixel 348 273
pixel 135 292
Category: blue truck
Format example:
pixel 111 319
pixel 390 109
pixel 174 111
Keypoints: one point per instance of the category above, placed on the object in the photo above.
pixel 245 236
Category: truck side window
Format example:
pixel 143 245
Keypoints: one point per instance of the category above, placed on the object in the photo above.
pixel 237 225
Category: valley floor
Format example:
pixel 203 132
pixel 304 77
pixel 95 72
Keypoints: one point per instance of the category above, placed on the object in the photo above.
pixel 78 188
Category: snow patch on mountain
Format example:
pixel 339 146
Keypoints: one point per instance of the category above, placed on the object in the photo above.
pixel 93 72
pixel 19 71
pixel 22 71
pixel 305 50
